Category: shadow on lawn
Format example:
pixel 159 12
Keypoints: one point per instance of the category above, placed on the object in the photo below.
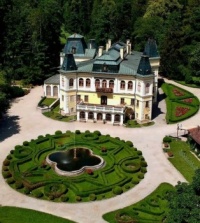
pixel 9 125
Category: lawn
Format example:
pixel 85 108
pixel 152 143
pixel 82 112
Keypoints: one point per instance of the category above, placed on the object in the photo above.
pixel 135 124
pixel 181 104
pixel 23 215
pixel 151 209
pixel 26 170
pixel 48 101
pixel 183 160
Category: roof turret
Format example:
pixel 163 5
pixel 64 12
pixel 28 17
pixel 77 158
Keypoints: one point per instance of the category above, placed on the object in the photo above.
pixel 144 67
pixel 69 62
pixel 151 48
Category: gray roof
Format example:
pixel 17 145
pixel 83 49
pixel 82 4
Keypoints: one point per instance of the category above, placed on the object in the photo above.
pixel 55 79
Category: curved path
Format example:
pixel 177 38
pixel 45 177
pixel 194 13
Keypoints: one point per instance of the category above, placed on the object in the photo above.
pixel 25 122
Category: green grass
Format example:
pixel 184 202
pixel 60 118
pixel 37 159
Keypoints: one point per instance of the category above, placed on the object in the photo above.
pixel 135 124
pixel 48 101
pixel 57 116
pixel 184 161
pixel 151 209
pixel 173 101
pixel 23 215
pixel 25 165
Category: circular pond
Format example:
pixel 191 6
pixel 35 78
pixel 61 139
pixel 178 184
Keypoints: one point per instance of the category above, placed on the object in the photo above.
pixel 74 161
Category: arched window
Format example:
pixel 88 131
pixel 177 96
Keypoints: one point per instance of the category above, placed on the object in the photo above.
pixel 104 83
pixel 147 88
pixel 71 82
pixel 117 118
pixel 122 85
pixel 97 83
pixel 130 85
pixel 139 87
pixel 48 90
pixel 82 114
pixel 111 84
pixel 81 82
pixel 87 82
pixel 108 117
pixel 90 115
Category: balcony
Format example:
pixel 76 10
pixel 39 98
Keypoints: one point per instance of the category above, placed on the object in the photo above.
pixel 99 108
pixel 104 90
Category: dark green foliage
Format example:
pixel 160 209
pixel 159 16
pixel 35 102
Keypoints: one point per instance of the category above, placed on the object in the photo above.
pixel 167 139
pixel 78 132
pixel 6 162
pixel 78 198
pixel 117 190
pixel 129 143
pixel 37 194
pixel 18 185
pixel 58 132
pixel 27 190
pixel 97 132
pixel 10 181
pixel 64 198
pixel 25 143
pixel 92 197
pixel 143 164
pixel 7 174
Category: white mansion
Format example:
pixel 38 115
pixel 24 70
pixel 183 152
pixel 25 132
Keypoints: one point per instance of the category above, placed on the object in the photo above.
pixel 103 84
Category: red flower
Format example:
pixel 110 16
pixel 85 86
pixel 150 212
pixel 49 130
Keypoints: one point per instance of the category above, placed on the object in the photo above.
pixel 89 171
pixel 177 92
pixel 181 111
pixel 188 100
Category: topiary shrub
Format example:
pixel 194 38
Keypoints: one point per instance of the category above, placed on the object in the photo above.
pixel 87 132
pixel 9 157
pixel 135 181
pixel 129 143
pixel 58 132
pixel 11 151
pixel 143 169
pixel 64 198
pixel 97 132
pixel 78 132
pixel 143 164
pixel 6 162
pixel 18 185
pixel 40 137
pixel 167 139
pixel 10 181
pixel 25 143
pixel 92 197
pixel 78 198
pixel 7 174
pixel 139 152
pixel 5 168
pixel 117 190
pixel 37 194
pixel 27 190
pixel 141 175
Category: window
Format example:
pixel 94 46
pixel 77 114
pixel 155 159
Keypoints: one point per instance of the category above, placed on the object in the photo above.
pixel 147 104
pixel 122 101
pixel 147 88
pixel 81 82
pixel 132 101
pixel 137 103
pixel 139 87
pixel 78 97
pixel 130 85
pixel 105 67
pixel 122 85
pixel 62 97
pixel 71 82
pixel 111 84
pixel 104 83
pixel 87 82
pixel 97 83
pixel 86 98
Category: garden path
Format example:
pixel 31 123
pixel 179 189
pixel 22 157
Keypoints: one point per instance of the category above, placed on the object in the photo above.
pixel 29 123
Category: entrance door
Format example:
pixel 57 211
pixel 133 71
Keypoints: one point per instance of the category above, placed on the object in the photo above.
pixel 103 100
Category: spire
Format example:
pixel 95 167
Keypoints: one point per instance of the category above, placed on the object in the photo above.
pixel 144 67
pixel 151 48
pixel 69 62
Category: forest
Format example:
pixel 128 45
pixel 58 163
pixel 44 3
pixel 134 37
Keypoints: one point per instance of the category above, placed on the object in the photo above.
pixel 33 33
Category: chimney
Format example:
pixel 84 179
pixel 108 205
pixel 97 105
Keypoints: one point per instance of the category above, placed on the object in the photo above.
pixel 109 43
pixel 107 47
pixel 100 51
pixel 128 50
pixel 122 53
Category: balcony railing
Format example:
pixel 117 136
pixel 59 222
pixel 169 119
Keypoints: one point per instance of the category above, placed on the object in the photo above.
pixel 104 90
pixel 100 108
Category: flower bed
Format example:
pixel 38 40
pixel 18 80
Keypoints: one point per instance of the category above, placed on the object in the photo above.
pixel 181 111
pixel 188 100
pixel 177 92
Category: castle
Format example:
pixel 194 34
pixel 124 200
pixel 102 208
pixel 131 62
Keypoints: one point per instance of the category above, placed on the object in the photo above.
pixel 105 85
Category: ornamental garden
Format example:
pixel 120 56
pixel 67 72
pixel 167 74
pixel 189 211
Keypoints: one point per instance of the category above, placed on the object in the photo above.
pixel 27 168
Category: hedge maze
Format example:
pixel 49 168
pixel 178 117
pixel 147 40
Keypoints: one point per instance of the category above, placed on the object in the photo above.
pixel 25 168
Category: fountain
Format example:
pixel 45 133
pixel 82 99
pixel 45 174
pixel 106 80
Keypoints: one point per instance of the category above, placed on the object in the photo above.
pixel 74 161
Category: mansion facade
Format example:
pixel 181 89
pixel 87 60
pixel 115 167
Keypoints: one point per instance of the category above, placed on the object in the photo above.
pixel 105 85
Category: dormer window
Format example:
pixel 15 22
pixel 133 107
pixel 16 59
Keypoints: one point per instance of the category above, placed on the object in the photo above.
pixel 73 51
pixel 105 67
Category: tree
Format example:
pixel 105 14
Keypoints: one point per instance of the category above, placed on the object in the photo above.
pixel 184 202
